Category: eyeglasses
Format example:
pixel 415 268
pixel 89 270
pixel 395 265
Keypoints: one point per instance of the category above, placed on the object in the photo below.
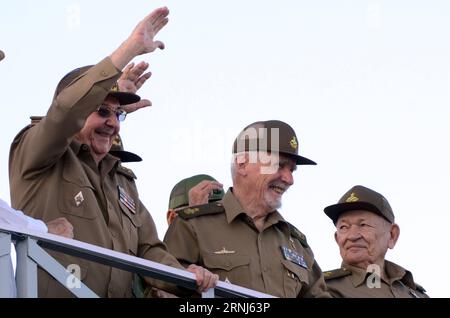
pixel 105 111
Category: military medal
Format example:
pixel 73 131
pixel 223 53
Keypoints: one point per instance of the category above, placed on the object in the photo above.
pixel 294 257
pixel 126 199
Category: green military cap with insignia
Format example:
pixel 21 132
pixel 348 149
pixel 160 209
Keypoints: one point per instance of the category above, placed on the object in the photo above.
pixel 118 150
pixel 179 196
pixel 361 198
pixel 124 98
pixel 271 136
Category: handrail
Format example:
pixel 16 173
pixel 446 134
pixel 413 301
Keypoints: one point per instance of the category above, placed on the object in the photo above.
pixel 29 248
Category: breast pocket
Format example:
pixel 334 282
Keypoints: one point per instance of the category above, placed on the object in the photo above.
pixel 131 224
pixel 295 278
pixel 232 267
pixel 77 200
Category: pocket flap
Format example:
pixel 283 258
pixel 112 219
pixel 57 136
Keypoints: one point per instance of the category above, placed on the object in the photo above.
pixel 76 200
pixel 300 272
pixel 225 261
pixel 133 217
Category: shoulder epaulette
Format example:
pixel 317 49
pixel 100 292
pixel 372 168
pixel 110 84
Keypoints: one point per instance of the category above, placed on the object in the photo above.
pixel 298 235
pixel 420 289
pixel 198 210
pixel 126 172
pixel 336 273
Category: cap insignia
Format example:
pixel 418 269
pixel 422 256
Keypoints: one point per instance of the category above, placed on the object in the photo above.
pixel 115 87
pixel 293 143
pixel 352 198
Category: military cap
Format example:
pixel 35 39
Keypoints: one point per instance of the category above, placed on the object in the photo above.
pixel 361 198
pixel 117 150
pixel 179 196
pixel 271 136
pixel 124 98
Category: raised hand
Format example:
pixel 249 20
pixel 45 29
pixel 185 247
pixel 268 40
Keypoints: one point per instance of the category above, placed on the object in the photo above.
pixel 133 77
pixel 199 194
pixel 144 33
pixel 142 39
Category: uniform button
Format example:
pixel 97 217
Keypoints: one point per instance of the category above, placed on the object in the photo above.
pixel 113 233
pixel 85 147
pixel 228 263
pixel 104 73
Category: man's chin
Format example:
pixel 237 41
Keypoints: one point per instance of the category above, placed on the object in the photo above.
pixel 100 150
pixel 274 204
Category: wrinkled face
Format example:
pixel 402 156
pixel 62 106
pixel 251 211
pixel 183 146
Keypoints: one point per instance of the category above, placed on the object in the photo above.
pixel 364 238
pixel 99 132
pixel 267 182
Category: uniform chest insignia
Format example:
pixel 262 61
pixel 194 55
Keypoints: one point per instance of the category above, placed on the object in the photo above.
pixel 78 198
pixel 126 199
pixel 294 257
pixel 292 242
pixel 224 251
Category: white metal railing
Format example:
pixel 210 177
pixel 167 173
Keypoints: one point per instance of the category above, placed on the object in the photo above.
pixel 30 254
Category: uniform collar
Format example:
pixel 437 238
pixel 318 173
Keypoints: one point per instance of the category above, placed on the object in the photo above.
pixel 393 271
pixel 108 164
pixel 233 209
pixel 396 272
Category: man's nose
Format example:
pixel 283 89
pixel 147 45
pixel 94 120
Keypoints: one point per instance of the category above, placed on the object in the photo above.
pixel 113 121
pixel 354 233
pixel 286 176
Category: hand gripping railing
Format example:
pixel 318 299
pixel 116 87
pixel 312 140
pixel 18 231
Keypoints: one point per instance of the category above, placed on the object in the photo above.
pixel 30 254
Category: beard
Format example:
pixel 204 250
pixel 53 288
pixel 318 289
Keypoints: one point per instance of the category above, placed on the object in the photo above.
pixel 273 203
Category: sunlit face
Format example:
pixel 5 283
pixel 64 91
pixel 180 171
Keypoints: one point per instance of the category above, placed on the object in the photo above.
pixel 267 182
pixel 364 237
pixel 99 132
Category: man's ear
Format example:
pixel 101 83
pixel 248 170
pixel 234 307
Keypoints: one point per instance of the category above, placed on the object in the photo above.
pixel 335 237
pixel 394 234
pixel 241 162
pixel 171 215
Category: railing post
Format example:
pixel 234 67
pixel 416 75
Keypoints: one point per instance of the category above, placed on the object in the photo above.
pixel 26 271
pixel 7 285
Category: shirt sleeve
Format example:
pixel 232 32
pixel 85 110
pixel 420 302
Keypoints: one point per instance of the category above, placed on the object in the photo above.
pixel 17 218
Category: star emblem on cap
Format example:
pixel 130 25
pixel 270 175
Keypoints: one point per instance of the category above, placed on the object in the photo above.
pixel 352 198
pixel 115 87
pixel 293 143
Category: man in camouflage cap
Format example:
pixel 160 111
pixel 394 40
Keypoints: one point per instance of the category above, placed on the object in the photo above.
pixel 365 230
pixel 243 238
pixel 61 166
pixel 196 190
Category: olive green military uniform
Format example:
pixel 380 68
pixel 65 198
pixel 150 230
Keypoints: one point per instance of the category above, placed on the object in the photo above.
pixel 351 282
pixel 222 238
pixel 52 175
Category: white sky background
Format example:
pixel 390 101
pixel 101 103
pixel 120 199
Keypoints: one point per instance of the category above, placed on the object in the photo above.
pixel 365 84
